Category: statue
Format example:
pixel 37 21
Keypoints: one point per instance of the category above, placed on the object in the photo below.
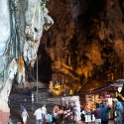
pixel 22 24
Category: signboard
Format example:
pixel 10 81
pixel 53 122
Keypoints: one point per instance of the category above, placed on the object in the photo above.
pixel 107 96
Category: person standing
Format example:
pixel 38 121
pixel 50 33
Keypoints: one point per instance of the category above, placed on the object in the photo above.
pixel 105 110
pixel 32 98
pixel 51 118
pixel 44 112
pixel 67 115
pixel 88 113
pixel 119 111
pixel 98 114
pixel 38 114
pixel 24 102
pixel 24 116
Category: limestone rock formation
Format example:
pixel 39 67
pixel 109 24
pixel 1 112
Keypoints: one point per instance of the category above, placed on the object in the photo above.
pixel 22 24
pixel 84 48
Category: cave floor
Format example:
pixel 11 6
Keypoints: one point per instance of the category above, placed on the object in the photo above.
pixel 17 99
pixel 15 111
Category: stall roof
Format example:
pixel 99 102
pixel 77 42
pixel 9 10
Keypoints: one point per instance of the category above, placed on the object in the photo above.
pixel 102 89
pixel 117 83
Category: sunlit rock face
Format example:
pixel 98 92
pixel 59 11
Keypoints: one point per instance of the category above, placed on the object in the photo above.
pixel 22 23
pixel 85 45
pixel 4 42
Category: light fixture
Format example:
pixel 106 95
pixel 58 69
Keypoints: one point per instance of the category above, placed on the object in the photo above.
pixel 119 89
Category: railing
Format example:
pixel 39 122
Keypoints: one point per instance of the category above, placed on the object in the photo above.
pixel 38 101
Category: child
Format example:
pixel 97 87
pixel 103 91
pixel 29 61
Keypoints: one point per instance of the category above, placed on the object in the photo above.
pixel 24 116
pixel 49 118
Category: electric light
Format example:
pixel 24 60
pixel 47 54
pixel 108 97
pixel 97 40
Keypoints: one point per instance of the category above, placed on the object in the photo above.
pixel 119 89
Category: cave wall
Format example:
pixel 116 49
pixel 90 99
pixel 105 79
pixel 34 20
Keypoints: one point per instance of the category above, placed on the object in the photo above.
pixel 85 45
pixel 22 24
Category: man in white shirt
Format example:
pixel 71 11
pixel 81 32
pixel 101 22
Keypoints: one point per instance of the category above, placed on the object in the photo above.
pixel 38 114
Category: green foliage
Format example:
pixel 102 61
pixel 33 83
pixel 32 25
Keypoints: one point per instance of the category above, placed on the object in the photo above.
pixel 43 5
pixel 1 73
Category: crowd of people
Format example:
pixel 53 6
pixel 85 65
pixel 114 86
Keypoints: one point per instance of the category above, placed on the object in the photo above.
pixel 100 115
pixel 65 114
pixel 59 115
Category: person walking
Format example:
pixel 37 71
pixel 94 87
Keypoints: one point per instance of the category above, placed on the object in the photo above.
pixel 24 116
pixel 44 112
pixel 38 114
pixel 105 110
pixel 98 114
pixel 22 109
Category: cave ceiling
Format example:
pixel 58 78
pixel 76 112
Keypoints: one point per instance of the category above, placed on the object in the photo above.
pixel 84 47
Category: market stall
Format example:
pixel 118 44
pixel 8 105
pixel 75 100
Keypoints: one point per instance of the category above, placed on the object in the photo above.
pixel 106 94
